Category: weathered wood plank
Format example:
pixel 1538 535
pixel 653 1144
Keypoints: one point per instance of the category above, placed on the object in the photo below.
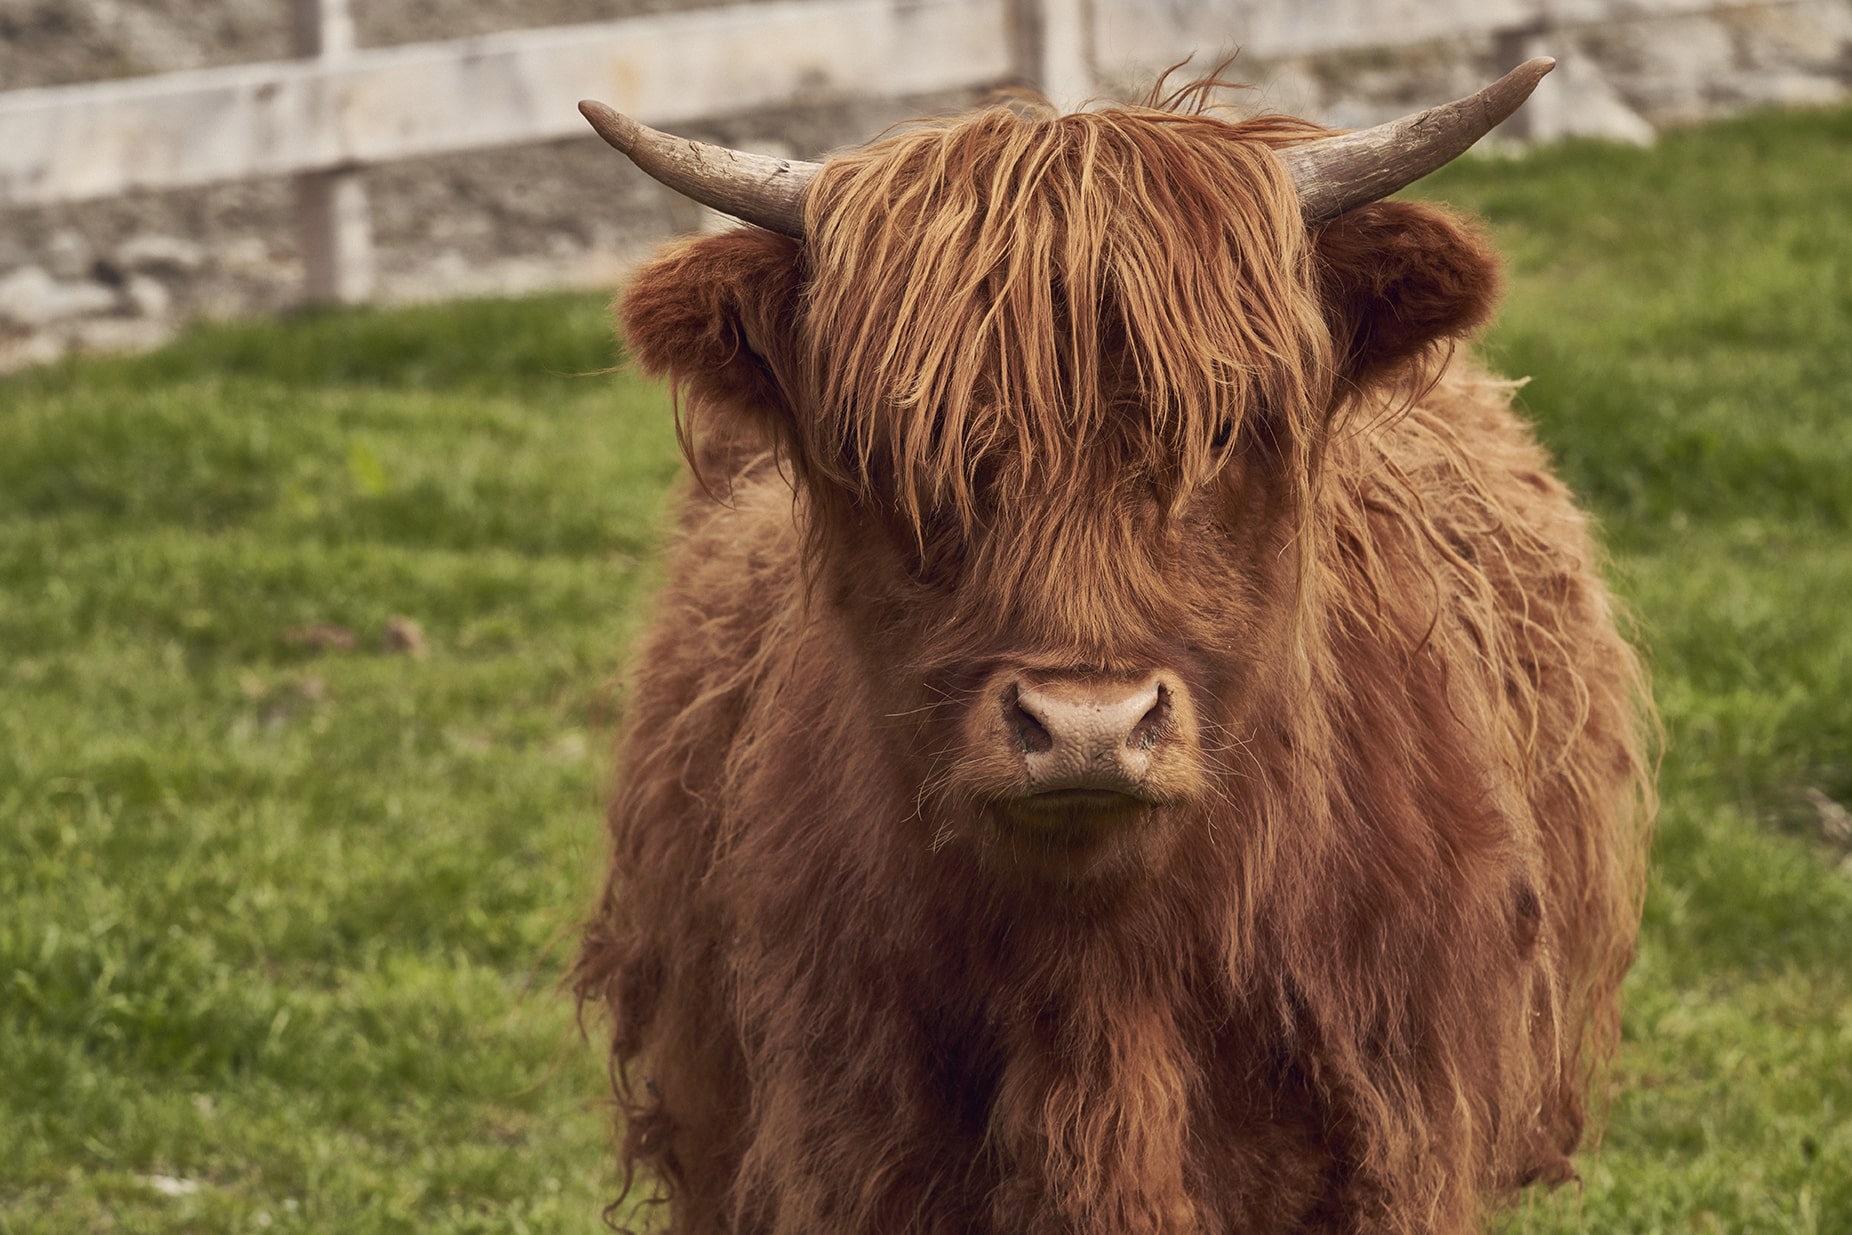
pixel 1136 37
pixel 284 118
pixel 1053 48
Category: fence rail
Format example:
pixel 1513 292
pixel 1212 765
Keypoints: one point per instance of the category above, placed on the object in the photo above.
pixel 355 108
pixel 1146 33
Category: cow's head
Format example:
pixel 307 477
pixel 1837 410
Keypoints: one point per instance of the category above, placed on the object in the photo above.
pixel 1055 391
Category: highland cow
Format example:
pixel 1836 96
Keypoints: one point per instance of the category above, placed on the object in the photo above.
pixel 1134 740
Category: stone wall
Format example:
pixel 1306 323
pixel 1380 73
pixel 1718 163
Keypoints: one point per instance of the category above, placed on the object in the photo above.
pixel 126 273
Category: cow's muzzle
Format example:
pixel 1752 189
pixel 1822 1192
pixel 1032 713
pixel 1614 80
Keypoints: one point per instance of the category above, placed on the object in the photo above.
pixel 1088 747
pixel 1082 737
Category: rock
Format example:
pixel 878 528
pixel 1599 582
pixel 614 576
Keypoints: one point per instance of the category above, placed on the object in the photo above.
pixel 31 298
pixel 82 300
pixel 147 297
pixel 33 349
pixel 23 296
pixel 244 255
pixel 449 272
pixel 165 254
pixel 67 255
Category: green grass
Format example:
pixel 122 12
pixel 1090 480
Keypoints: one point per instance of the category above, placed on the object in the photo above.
pixel 1686 316
pixel 284 925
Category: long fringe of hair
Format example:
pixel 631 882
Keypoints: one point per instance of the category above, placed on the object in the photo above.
pixel 988 295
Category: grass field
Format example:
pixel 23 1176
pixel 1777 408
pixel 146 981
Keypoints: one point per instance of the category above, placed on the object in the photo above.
pixel 281 922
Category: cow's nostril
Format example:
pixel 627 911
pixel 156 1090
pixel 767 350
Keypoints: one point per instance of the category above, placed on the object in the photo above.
pixel 1032 735
pixel 1150 727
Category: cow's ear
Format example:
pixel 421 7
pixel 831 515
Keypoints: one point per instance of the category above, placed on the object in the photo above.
pixel 717 316
pixel 1396 277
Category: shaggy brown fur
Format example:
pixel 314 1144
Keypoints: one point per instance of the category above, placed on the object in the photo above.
pixel 1075 395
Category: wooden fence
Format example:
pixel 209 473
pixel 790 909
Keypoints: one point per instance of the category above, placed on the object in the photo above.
pixel 337 109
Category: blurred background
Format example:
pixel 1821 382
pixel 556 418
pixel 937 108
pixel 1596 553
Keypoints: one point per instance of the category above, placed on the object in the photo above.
pixel 163 159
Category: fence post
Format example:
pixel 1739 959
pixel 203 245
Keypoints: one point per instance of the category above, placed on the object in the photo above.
pixel 333 224
pixel 1541 116
pixel 1054 48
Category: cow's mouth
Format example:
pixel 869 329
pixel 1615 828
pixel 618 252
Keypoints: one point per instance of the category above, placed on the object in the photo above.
pixel 1073 834
pixel 1072 818
pixel 1055 806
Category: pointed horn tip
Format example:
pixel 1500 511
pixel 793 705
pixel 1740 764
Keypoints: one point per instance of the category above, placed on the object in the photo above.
pixel 618 130
pixel 1511 91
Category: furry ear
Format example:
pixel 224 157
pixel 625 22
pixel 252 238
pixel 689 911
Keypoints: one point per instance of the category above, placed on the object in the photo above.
pixel 717 316
pixel 1396 277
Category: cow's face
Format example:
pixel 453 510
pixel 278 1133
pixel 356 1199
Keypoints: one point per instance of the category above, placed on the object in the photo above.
pixel 1074 671
pixel 1058 445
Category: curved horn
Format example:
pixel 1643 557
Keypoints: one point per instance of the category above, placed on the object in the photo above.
pixel 1334 174
pixel 753 187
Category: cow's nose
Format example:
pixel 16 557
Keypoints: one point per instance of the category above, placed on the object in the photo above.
pixel 1088 733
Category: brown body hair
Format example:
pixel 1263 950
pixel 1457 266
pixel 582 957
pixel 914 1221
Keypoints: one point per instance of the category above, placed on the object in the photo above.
pixel 1079 395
